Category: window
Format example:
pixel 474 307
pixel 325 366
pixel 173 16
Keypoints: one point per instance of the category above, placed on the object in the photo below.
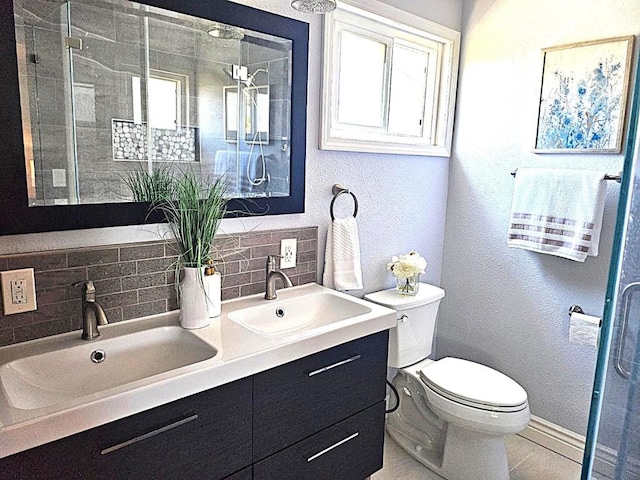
pixel 389 81
pixel 164 96
pixel 164 103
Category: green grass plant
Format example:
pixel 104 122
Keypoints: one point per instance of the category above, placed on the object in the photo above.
pixel 194 209
pixel 150 187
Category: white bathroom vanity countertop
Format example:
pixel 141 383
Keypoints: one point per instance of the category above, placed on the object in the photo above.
pixel 240 353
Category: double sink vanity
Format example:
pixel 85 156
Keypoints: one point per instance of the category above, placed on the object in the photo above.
pixel 291 388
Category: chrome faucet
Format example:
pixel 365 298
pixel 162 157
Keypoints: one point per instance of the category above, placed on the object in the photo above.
pixel 92 313
pixel 272 275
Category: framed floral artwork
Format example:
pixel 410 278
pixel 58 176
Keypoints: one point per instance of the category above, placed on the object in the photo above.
pixel 583 96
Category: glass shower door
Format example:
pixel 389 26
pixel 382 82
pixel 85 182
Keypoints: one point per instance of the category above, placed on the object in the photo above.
pixel 613 438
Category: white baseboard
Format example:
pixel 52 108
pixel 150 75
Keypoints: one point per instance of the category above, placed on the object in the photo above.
pixel 555 438
pixel 571 445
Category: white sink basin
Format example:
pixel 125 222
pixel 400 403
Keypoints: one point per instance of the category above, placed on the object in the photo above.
pixel 310 310
pixel 58 375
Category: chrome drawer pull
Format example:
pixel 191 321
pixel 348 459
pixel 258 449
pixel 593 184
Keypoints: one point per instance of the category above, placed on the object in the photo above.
pixel 343 362
pixel 153 433
pixel 335 445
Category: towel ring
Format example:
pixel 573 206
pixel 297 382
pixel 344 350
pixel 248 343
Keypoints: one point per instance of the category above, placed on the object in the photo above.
pixel 337 191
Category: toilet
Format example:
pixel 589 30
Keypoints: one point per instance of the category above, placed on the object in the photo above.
pixel 453 414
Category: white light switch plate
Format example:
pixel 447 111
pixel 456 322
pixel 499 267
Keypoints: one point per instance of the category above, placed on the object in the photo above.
pixel 18 291
pixel 288 248
pixel 59 177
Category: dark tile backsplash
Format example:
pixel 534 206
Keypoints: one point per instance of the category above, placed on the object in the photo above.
pixel 137 280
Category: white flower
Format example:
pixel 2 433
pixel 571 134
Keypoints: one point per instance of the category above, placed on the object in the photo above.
pixel 409 265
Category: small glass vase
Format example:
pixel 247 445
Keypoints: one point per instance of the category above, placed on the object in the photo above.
pixel 408 286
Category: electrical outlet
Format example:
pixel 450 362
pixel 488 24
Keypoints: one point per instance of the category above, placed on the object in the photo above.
pixel 18 291
pixel 288 249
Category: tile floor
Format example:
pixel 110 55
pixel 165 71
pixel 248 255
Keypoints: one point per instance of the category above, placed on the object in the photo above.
pixel 527 461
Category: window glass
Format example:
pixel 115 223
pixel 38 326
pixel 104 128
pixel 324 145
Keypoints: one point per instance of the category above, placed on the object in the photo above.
pixel 361 80
pixel 409 72
pixel 163 103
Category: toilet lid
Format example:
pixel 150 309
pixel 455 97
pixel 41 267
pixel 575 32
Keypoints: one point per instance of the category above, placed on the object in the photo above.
pixel 473 384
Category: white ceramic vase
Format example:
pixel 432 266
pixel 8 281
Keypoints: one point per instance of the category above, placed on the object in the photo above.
pixel 213 286
pixel 194 311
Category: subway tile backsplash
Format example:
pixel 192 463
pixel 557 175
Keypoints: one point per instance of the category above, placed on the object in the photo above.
pixel 138 279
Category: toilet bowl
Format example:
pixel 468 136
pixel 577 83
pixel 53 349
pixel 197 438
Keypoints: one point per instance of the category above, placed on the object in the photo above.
pixel 453 414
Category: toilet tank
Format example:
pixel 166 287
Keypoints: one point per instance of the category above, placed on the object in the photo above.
pixel 412 338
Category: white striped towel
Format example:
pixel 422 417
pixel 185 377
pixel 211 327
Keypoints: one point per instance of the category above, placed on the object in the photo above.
pixel 557 212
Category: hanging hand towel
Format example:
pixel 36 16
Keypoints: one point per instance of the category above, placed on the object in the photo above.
pixel 342 268
pixel 557 212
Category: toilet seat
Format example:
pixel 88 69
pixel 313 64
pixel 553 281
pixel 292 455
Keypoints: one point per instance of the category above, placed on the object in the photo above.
pixel 473 385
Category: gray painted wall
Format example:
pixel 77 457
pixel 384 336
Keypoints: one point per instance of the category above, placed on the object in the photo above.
pixel 505 307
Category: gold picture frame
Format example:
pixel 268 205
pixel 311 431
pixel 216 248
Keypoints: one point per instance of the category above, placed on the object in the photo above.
pixel 583 96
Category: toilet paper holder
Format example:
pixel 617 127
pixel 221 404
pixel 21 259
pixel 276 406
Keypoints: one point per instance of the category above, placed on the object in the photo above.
pixel 584 329
pixel 575 309
pixel 578 309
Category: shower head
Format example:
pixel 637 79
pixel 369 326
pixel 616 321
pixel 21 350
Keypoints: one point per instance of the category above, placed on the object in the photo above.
pixel 225 32
pixel 314 6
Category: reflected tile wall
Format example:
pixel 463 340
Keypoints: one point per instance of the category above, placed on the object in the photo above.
pixel 138 279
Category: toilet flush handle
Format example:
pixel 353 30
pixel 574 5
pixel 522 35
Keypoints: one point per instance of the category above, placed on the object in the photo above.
pixel 403 318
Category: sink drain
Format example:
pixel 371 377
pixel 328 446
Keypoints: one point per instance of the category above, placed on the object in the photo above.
pixel 279 312
pixel 98 356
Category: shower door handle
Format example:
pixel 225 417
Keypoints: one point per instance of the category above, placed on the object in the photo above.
pixel 622 332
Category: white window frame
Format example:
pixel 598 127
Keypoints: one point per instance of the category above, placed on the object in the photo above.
pixel 402 27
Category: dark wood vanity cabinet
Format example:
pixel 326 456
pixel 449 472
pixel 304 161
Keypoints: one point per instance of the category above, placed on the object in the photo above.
pixel 300 398
pixel 207 435
pixel 319 417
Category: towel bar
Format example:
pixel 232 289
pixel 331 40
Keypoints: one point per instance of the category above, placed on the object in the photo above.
pixel 338 190
pixel 607 176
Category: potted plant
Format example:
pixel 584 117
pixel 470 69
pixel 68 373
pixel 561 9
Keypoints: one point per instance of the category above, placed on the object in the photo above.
pixel 194 208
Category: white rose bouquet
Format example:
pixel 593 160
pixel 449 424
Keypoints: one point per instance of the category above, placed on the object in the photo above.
pixel 406 268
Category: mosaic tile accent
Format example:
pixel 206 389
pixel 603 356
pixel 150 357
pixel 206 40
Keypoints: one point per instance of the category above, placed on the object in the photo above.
pixel 134 280
pixel 130 142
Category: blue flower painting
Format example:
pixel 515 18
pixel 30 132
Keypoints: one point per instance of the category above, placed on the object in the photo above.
pixel 583 97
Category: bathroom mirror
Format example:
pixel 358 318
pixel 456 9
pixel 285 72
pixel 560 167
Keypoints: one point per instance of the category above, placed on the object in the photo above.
pixel 96 90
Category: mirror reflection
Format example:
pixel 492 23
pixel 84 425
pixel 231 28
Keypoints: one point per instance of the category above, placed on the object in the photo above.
pixel 110 88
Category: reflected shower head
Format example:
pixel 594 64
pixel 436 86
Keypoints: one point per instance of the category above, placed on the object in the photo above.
pixel 225 32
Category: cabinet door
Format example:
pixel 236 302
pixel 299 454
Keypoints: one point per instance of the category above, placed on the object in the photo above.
pixel 207 435
pixel 300 398
pixel 349 450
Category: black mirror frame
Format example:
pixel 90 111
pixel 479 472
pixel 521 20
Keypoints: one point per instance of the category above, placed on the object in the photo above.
pixel 17 217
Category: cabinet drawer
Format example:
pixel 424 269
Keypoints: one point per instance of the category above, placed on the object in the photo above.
pixel 298 399
pixel 349 450
pixel 207 435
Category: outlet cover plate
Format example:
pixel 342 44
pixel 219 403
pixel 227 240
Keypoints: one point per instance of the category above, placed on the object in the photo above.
pixel 288 249
pixel 18 291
